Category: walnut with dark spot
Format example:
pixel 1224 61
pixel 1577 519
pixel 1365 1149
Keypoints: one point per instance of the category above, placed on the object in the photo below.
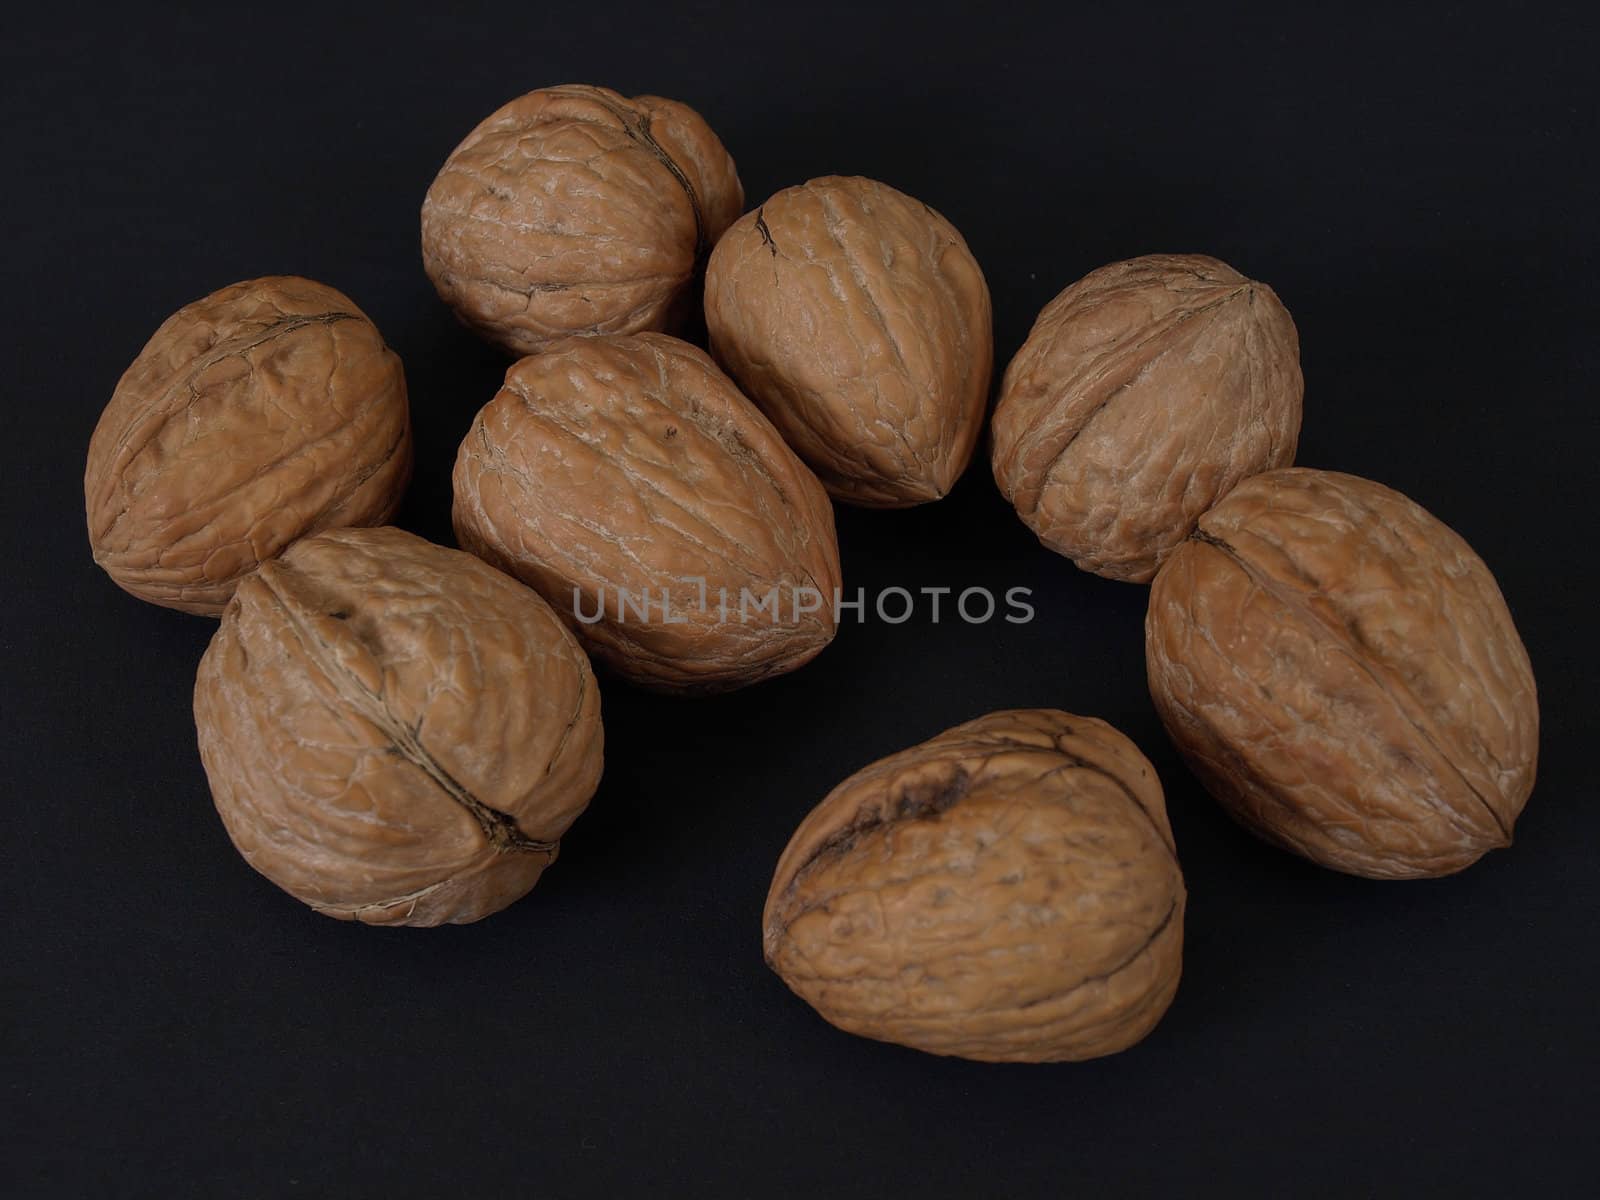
pixel 576 210
pixel 1007 891
pixel 394 732
pixel 1342 673
pixel 267 411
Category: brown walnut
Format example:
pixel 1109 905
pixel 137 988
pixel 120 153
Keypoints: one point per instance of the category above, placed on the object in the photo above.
pixel 1145 392
pixel 576 210
pixel 1341 672
pixel 859 321
pixel 266 411
pixel 394 732
pixel 1007 891
pixel 612 472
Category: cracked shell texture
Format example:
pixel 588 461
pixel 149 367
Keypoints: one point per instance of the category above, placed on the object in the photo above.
pixel 265 412
pixel 1341 672
pixel 394 732
pixel 1008 891
pixel 576 210
pixel 858 320
pixel 1144 393
pixel 632 464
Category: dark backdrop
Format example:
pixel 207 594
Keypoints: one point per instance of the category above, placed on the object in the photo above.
pixel 1420 191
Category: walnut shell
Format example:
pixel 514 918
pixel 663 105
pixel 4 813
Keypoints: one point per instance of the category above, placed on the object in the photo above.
pixel 576 210
pixel 1008 891
pixel 1145 392
pixel 614 465
pixel 266 411
pixel 1341 672
pixel 859 321
pixel 394 732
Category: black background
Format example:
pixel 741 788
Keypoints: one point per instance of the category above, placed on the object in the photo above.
pixel 1418 186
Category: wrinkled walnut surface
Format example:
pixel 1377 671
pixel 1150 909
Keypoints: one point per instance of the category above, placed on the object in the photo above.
pixel 394 732
pixel 1144 393
pixel 858 320
pixel 265 412
pixel 576 210
pixel 1341 672
pixel 633 463
pixel 1007 891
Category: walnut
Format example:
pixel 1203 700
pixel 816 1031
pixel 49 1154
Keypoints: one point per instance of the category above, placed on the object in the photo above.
pixel 1145 392
pixel 1007 891
pixel 266 411
pixel 626 476
pixel 394 732
pixel 1341 672
pixel 577 210
pixel 859 321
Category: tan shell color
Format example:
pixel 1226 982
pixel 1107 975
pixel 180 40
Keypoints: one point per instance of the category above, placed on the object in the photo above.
pixel 633 464
pixel 1144 393
pixel 1007 891
pixel 576 210
pixel 859 321
pixel 1341 672
pixel 394 732
pixel 265 412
